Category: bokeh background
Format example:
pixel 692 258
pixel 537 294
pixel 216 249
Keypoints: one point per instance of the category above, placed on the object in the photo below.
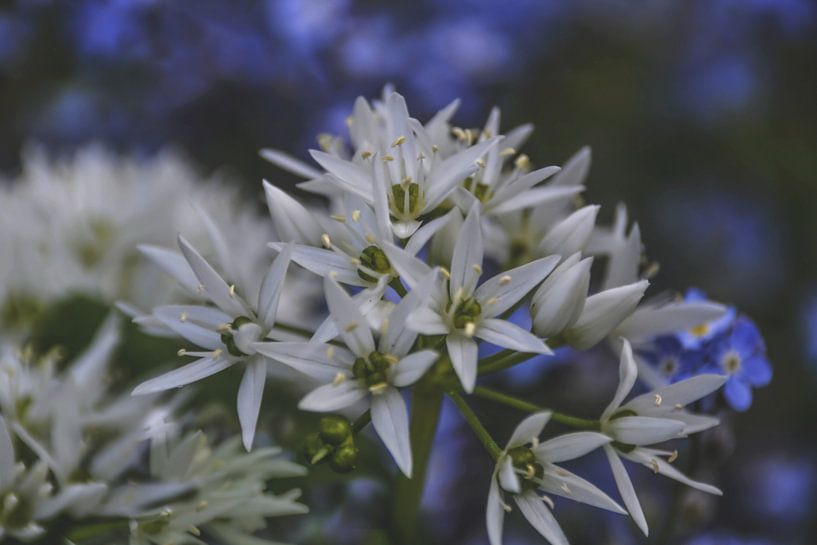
pixel 702 116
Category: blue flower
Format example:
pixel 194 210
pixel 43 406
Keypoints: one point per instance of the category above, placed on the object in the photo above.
pixel 741 354
pixel 696 337
pixel 672 360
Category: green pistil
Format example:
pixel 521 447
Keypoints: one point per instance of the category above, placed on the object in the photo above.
pixel 524 460
pixel 374 259
pixel 399 197
pixel 229 341
pixel 372 369
pixel 467 311
pixel 480 191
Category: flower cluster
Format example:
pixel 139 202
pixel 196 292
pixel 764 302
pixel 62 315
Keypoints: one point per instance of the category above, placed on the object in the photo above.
pixel 427 237
pixel 72 455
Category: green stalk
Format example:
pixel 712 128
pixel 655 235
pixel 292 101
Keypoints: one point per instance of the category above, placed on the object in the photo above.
pixel 425 413
pixel 473 421
pixel 522 405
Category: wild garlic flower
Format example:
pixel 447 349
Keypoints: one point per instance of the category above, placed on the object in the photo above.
pixel 364 370
pixel 227 333
pixel 226 497
pixel 527 467
pixel 461 310
pixel 649 419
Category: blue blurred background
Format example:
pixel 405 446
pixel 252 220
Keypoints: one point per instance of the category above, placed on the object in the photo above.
pixel 701 114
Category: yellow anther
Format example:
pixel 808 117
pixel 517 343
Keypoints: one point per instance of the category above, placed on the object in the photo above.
pixel 370 238
pixel 534 442
pixel 338 217
pixel 673 456
pixel 492 301
pixel 507 152
pixel 658 400
pixel 330 352
pixel 350 121
pixel 549 502
pixel 351 326
pixel 339 379
pixel 445 272
pixel 530 471
pixel 326 241
pixel 435 148
pixel 655 467
pixel 384 326
pixel 391 359
pixel 365 154
pixel 679 407
pixel 566 489
pixel 325 141
pixel 458 133
pixel 480 163
pixel 183 317
pixel 378 388
pixel 355 261
pixel 200 288
pixel 355 215
pixel 505 280
pixel 522 162
pixel 405 182
pixel 469 136
pixel 202 505
pixel 333 274
pixel 193 530
pixel 652 270
pixel 181 352
pixel 507 508
pixel 232 290
pixel 477 268
pixel 397 141
pixel 217 352
pixel 223 328
pixel 388 158
pixel 469 329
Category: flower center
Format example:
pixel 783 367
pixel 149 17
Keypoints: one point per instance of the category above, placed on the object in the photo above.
pixel 731 362
pixel 467 312
pixel 372 369
pixel 480 191
pixel 405 199
pixel 228 337
pixel 373 259
pixel 669 366
pixel 524 460
pixel 700 330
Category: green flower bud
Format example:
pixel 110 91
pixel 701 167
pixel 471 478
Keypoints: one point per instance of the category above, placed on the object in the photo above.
pixel 467 311
pixel 400 197
pixel 375 259
pixel 344 459
pixel 334 429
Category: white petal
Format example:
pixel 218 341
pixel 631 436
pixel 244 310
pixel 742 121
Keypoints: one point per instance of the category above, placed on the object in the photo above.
pixel 603 312
pixel 173 264
pixel 627 375
pixel 426 321
pixel 6 456
pixel 463 354
pixel 196 324
pixel 525 182
pixel 192 372
pixel 272 286
pixel 529 429
pixel 398 338
pixel 292 221
pixel 625 488
pixel 570 446
pixel 535 197
pixel 540 517
pixel 466 264
pixel 333 397
pixel 504 290
pixel 311 359
pixel 449 173
pixel 390 420
pixel 424 233
pixel 353 327
pixel 649 321
pixel 559 301
pixel 217 242
pixel 323 262
pixel 411 368
pixel 681 393
pixel 352 177
pixel 652 461
pixel 289 163
pixel 624 261
pixel 494 513
pixel 411 269
pixel 80 497
pixel 643 430
pixel 562 482
pixel 508 335
pixel 214 285
pixel 507 476
pixel 574 172
pixel 250 393
pixel 571 234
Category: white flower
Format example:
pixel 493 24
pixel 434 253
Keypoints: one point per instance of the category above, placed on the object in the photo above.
pixel 527 466
pixel 227 333
pixel 602 312
pixel 648 419
pixel 364 371
pixel 559 301
pixel 462 310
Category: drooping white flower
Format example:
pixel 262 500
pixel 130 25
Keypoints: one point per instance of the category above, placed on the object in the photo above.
pixel 527 466
pixel 650 419
pixel 602 312
pixel 461 310
pixel 227 333
pixel 364 370
pixel 557 304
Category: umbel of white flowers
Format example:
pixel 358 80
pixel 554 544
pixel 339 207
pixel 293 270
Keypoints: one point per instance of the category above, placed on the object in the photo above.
pixel 429 238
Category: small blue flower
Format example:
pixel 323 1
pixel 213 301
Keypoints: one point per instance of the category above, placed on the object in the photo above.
pixel 671 360
pixel 741 354
pixel 696 337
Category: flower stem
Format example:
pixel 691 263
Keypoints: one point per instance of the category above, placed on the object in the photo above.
pixel 425 413
pixel 522 405
pixel 361 422
pixel 502 360
pixel 473 421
